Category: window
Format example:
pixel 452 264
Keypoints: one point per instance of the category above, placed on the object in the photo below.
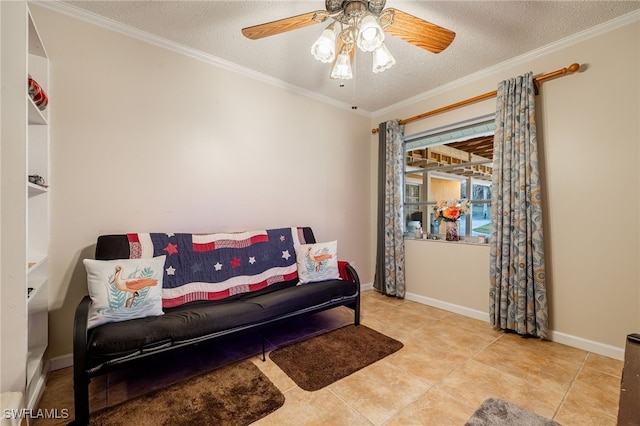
pixel 452 162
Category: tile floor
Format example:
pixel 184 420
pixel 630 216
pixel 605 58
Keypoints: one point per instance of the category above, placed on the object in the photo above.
pixel 449 364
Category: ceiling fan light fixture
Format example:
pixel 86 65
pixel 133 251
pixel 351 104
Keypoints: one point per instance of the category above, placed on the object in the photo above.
pixel 382 59
pixel 361 23
pixel 342 68
pixel 370 34
pixel 324 48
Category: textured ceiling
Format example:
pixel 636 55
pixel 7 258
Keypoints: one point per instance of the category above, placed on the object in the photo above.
pixel 488 33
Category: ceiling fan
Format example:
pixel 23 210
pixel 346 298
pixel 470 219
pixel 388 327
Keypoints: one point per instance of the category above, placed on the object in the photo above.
pixel 358 23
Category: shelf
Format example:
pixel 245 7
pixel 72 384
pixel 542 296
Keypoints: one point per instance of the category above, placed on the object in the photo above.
pixel 34 362
pixel 35 42
pixel 38 319
pixel 36 284
pixel 36 117
pixel 36 189
pixel 36 261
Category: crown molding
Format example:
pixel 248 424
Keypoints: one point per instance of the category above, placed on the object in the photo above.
pixel 92 18
pixel 605 27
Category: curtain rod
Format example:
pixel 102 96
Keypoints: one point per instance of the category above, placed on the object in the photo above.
pixel 570 70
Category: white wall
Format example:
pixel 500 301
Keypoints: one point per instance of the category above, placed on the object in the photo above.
pixel 148 140
pixel 590 138
pixel 144 139
pixel 457 276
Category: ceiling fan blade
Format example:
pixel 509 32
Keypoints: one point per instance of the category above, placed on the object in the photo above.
pixel 284 25
pixel 419 32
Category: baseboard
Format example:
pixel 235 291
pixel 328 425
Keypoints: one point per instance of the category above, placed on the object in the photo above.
pixel 60 362
pixel 38 390
pixel 555 336
pixel 462 310
pixel 366 287
pixel 587 345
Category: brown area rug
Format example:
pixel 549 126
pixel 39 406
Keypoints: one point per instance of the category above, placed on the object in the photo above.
pixel 237 394
pixel 321 360
pixel 497 412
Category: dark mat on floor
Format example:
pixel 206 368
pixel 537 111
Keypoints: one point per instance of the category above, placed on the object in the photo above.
pixel 321 360
pixel 237 394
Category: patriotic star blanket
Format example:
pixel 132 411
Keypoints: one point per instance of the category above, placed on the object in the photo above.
pixel 216 266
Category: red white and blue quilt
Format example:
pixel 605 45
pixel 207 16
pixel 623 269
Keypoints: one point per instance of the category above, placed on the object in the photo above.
pixel 216 266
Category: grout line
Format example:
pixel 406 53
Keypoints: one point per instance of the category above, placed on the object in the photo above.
pixel 455 396
pixel 566 394
pixel 350 407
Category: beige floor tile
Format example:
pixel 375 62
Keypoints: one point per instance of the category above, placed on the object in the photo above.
pixel 565 352
pixel 574 413
pixel 371 298
pixel 379 391
pixel 473 325
pixel 386 312
pixel 274 373
pixel 604 364
pixel 398 331
pixel 434 408
pixel 321 408
pixel 427 311
pixel 374 306
pixel 537 367
pixel 453 339
pixel 429 363
pixel 399 322
pixel 595 392
pixel 374 295
pixel 415 319
pixel 474 382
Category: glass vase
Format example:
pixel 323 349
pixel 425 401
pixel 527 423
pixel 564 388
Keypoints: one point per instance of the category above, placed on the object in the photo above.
pixel 452 231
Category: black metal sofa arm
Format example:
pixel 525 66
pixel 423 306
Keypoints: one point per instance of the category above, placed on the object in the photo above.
pixel 80 375
pixel 352 275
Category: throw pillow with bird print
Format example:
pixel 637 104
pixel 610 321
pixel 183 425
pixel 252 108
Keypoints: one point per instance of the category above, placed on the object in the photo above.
pixel 124 289
pixel 317 262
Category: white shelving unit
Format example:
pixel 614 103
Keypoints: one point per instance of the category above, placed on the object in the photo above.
pixel 24 218
pixel 38 220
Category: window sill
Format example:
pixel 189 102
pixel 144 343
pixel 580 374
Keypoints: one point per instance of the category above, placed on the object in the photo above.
pixel 473 241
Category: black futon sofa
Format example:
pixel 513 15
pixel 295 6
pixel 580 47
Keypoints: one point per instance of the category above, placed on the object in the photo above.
pixel 111 346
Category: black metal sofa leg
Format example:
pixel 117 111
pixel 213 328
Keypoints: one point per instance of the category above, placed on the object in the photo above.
pixel 81 400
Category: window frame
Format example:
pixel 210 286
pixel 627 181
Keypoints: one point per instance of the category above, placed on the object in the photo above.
pixel 443 136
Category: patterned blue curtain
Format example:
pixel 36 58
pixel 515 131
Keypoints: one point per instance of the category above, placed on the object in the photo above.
pixel 517 268
pixel 389 276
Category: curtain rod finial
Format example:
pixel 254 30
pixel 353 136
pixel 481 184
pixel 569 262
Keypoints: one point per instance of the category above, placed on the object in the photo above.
pixel 573 68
